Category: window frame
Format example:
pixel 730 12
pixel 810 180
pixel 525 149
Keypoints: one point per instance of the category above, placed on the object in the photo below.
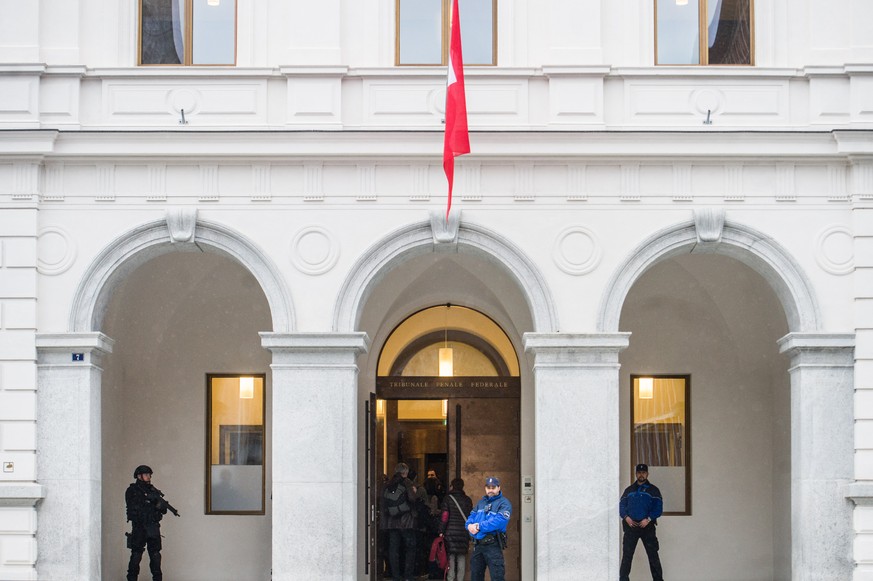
pixel 207 499
pixel 703 36
pixel 446 12
pixel 188 38
pixel 688 458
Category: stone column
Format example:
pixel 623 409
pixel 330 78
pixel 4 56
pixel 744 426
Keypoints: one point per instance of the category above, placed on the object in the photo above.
pixel 822 449
pixel 315 454
pixel 577 449
pixel 69 372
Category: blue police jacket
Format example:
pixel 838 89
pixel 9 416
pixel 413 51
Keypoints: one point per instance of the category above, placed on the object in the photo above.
pixel 641 501
pixel 492 514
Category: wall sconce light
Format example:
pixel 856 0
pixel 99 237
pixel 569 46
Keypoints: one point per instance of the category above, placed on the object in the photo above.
pixel 246 387
pixel 446 355
pixel 647 387
pixel 217 2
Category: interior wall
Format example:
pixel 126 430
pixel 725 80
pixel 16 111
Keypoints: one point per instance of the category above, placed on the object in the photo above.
pixel 718 320
pixel 173 320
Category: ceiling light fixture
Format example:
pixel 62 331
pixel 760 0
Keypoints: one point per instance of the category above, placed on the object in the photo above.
pixel 647 387
pixel 246 387
pixel 446 355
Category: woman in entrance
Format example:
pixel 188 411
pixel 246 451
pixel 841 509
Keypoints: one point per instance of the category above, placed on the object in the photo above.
pixel 456 507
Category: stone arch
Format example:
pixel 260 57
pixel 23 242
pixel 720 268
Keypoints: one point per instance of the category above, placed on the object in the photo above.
pixel 752 248
pixel 417 239
pixel 126 253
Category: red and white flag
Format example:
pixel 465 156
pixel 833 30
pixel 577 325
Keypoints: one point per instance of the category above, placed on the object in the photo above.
pixel 457 139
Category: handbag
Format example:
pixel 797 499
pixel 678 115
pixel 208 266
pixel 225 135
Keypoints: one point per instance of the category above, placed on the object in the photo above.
pixel 438 554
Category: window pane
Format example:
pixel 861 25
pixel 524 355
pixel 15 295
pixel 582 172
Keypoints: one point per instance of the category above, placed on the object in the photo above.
pixel 678 33
pixel 162 32
pixel 477 31
pixel 729 30
pixel 214 32
pixel 236 444
pixel 467 361
pixel 659 435
pixel 421 32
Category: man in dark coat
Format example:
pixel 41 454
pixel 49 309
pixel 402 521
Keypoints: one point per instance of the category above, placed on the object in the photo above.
pixel 145 509
pixel 639 508
pixel 398 516
pixel 456 507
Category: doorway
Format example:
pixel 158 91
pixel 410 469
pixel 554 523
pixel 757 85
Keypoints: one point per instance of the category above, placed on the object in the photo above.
pixel 455 421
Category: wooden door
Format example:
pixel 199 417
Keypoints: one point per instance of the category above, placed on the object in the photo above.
pixel 484 440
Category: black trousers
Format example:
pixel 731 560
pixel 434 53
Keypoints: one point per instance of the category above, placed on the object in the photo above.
pixel 406 537
pixel 137 542
pixel 629 545
pixel 490 556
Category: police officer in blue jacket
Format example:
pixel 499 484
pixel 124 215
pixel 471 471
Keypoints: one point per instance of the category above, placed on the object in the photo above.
pixel 487 525
pixel 639 507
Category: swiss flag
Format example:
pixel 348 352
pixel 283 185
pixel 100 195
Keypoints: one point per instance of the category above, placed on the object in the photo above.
pixel 457 139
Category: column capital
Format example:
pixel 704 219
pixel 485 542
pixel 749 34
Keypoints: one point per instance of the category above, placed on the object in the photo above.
pixel 57 348
pixel 358 342
pixel 822 348
pixel 594 342
pixel 575 349
pixel 319 349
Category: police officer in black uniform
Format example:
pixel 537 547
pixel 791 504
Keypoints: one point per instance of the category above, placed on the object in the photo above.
pixel 145 509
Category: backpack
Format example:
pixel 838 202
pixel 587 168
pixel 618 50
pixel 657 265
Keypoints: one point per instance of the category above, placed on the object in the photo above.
pixel 395 500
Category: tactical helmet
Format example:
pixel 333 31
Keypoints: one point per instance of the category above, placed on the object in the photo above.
pixel 142 469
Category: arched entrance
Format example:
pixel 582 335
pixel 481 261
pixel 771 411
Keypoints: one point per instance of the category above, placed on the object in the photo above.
pixel 818 363
pixel 73 401
pixel 411 270
pixel 447 405
pixel 715 429
pixel 185 325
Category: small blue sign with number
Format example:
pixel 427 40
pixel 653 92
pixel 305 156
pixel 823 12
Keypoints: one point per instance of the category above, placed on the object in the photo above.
pixel 78 356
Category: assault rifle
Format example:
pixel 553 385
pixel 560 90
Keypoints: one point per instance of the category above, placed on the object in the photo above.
pixel 157 497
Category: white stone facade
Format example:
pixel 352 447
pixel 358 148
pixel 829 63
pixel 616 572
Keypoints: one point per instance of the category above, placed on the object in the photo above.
pixel 307 181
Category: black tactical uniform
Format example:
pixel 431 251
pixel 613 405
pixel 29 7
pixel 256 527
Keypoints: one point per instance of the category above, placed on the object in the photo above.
pixel 145 509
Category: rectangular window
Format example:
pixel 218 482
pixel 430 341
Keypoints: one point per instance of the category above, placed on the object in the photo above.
pixel 704 32
pixel 187 32
pixel 235 443
pixel 423 31
pixel 660 428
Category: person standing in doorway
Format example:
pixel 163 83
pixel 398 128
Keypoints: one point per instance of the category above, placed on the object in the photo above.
pixel 398 500
pixel 456 507
pixel 145 509
pixel 487 525
pixel 640 506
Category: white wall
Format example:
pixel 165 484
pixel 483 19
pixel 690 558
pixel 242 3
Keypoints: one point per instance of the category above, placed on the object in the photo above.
pixel 175 319
pixel 718 320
